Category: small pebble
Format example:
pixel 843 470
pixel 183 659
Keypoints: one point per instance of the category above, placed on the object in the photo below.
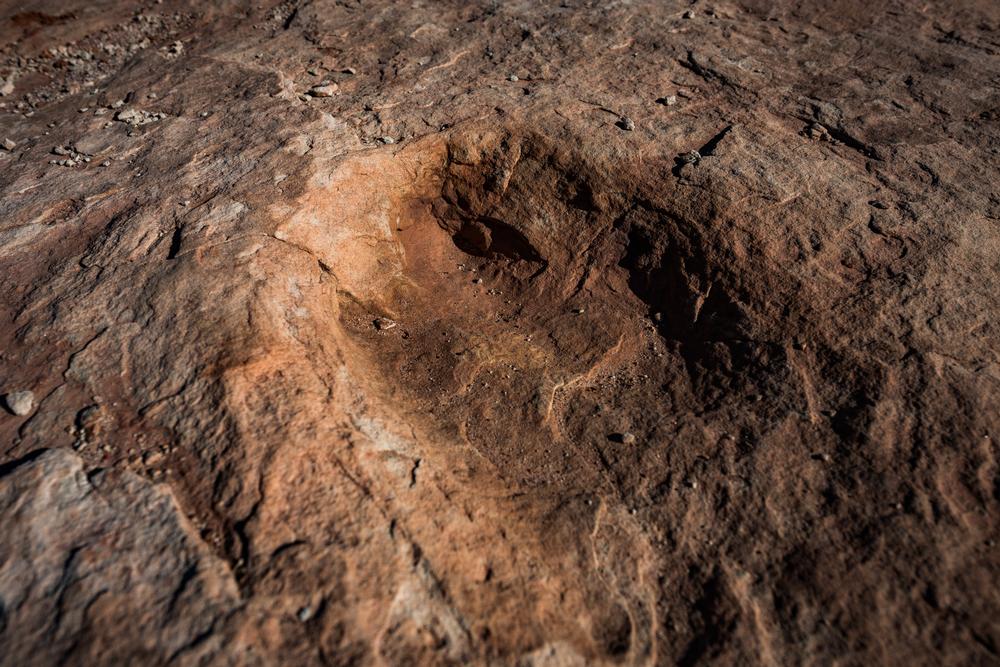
pixel 9 144
pixel 689 14
pixel 152 458
pixel 818 131
pixel 626 124
pixel 384 324
pixel 21 403
pixel 388 140
pixel 324 90
pixel 669 100
pixel 628 438
pixel 513 77
pixel 691 157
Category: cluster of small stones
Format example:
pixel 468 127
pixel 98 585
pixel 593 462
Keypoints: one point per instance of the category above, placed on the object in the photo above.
pixel 173 50
pixel 71 157
pixel 88 426
pixel 80 66
pixel 86 61
pixel 138 117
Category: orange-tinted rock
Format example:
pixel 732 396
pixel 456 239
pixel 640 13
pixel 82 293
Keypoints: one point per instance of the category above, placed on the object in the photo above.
pixel 550 334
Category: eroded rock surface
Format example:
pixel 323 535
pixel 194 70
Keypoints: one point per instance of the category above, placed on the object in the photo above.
pixel 104 570
pixel 500 333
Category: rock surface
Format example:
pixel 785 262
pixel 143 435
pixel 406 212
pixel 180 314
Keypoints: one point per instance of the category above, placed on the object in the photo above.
pixel 104 569
pixel 20 403
pixel 758 238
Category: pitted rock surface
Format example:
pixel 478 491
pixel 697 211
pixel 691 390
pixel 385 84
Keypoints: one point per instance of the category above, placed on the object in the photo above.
pixel 642 333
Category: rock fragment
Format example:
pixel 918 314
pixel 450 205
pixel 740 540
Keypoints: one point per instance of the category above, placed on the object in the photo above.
pixel 94 143
pixel 9 144
pixel 137 117
pixel 818 132
pixel 324 90
pixel 153 458
pixel 20 402
pixel 691 157
pixel 384 323
pixel 626 123
pixel 90 425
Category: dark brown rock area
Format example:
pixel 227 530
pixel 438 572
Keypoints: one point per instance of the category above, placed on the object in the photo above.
pixel 499 333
